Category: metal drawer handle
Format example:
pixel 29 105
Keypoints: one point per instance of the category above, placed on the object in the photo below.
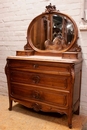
pixel 35 66
pixel 36 95
pixel 36 79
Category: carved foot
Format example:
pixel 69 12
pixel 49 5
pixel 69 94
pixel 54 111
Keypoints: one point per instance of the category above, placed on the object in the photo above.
pixel 10 105
pixel 70 126
pixel 10 108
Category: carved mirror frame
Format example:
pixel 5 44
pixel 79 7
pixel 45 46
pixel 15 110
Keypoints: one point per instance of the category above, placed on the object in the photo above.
pixel 50 10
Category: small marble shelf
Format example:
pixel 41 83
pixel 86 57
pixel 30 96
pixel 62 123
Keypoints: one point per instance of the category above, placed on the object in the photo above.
pixel 83 27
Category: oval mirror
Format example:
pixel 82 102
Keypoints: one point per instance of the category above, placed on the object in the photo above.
pixel 52 31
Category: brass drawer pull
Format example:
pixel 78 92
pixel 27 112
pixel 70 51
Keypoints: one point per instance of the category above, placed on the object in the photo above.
pixel 35 66
pixel 36 79
pixel 36 95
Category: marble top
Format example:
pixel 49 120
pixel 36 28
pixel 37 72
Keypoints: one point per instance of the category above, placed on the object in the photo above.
pixel 44 58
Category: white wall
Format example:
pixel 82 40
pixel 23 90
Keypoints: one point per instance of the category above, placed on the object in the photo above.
pixel 15 16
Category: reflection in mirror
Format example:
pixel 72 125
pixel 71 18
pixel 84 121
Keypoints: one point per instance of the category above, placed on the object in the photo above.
pixel 52 32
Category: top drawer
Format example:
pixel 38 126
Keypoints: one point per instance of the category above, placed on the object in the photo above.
pixel 37 66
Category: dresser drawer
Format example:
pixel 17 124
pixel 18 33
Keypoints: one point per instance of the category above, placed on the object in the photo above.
pixel 41 106
pixel 40 79
pixel 48 96
pixel 44 67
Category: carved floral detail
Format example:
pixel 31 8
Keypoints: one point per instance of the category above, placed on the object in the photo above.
pixel 76 48
pixel 50 8
pixel 36 107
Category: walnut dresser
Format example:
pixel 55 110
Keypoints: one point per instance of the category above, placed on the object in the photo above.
pixel 46 75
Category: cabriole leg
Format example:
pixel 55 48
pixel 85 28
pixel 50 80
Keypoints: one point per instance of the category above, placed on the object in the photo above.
pixel 70 120
pixel 10 104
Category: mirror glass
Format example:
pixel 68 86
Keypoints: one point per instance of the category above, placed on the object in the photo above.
pixel 52 32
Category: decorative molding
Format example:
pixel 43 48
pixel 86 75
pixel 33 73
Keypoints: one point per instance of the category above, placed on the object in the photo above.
pixel 27 46
pixel 72 74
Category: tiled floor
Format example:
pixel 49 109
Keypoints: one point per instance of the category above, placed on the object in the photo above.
pixel 21 118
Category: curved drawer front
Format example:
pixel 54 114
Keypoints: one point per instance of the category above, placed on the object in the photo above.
pixel 43 95
pixel 40 106
pixel 40 66
pixel 48 80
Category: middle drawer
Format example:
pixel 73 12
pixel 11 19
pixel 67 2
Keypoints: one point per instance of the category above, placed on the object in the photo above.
pixel 48 96
pixel 44 80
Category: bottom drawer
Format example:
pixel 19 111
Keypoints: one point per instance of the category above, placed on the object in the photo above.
pixel 49 96
pixel 40 106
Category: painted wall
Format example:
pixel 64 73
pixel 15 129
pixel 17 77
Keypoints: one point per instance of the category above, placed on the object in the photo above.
pixel 15 16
